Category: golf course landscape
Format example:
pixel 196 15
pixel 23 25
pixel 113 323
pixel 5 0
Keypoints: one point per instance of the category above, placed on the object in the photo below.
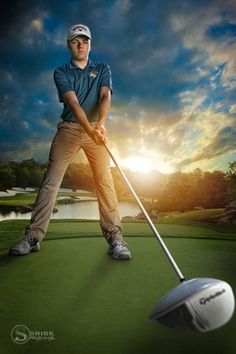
pixel 118 113
pixel 74 298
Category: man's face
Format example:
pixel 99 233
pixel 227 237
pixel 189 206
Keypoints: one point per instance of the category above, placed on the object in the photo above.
pixel 80 47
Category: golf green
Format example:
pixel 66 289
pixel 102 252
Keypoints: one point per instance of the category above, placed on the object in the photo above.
pixel 93 304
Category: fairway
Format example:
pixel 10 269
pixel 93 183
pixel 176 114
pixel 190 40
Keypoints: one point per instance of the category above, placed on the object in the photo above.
pixel 94 304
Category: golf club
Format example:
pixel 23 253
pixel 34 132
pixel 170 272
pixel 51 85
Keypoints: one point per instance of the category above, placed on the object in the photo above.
pixel 200 304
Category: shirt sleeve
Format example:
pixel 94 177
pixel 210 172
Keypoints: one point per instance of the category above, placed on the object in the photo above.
pixel 106 77
pixel 62 83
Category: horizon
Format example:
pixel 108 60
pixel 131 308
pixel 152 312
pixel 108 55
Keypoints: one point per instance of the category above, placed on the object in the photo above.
pixel 174 79
pixel 145 174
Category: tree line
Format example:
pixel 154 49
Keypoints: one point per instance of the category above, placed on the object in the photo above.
pixel 165 192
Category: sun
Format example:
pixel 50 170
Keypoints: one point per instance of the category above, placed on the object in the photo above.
pixel 146 164
pixel 145 161
pixel 140 164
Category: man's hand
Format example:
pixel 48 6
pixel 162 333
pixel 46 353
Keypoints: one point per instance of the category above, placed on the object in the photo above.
pixel 100 133
pixel 97 134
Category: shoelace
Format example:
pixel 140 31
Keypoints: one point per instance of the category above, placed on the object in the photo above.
pixel 119 243
pixel 30 240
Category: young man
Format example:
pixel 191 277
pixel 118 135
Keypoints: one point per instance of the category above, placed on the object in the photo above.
pixel 84 87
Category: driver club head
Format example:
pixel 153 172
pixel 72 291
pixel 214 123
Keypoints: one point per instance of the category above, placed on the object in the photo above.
pixel 201 304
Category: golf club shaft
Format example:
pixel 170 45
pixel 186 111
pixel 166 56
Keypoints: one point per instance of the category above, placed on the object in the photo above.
pixel 152 226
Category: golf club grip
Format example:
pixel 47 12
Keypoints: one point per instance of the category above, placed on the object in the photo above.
pixel 152 226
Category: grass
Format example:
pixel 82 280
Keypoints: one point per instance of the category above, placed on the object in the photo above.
pixel 96 305
pixel 189 216
pixel 12 231
pixel 19 199
pixel 23 199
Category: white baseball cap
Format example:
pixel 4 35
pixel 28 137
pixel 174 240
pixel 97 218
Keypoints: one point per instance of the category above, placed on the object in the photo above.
pixel 78 30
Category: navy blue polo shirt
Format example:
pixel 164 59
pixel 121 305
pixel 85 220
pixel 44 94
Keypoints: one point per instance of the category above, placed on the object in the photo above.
pixel 86 84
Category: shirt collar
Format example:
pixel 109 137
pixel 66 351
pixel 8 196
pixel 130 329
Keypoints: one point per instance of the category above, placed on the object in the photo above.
pixel 73 66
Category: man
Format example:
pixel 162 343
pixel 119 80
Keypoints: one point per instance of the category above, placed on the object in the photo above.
pixel 84 87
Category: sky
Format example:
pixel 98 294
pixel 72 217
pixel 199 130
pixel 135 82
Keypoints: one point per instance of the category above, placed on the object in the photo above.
pixel 174 79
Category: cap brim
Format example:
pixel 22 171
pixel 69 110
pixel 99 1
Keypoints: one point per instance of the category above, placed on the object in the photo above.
pixel 79 35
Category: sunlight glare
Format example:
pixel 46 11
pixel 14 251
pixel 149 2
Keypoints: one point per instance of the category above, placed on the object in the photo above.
pixel 145 164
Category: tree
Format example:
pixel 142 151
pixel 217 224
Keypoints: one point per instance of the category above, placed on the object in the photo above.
pixel 212 190
pixel 231 181
pixel 7 177
pixel 29 173
pixel 78 176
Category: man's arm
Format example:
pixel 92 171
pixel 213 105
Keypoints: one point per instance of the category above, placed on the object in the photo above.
pixel 103 110
pixel 71 100
pixel 104 104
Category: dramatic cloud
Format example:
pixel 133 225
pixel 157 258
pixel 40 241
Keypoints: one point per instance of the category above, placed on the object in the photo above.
pixel 224 142
pixel 174 78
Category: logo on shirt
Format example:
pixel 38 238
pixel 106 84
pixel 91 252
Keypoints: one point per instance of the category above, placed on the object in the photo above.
pixel 93 74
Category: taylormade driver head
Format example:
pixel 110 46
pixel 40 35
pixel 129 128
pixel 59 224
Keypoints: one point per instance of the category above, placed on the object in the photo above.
pixel 200 304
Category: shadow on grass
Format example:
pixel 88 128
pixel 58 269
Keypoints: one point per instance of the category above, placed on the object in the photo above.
pixel 5 259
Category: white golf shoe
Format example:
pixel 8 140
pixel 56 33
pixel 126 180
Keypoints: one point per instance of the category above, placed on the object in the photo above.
pixel 118 251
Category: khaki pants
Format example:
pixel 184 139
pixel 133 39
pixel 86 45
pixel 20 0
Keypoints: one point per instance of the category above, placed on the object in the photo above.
pixel 69 139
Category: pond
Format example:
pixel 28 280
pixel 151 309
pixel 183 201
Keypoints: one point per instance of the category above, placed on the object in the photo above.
pixel 86 208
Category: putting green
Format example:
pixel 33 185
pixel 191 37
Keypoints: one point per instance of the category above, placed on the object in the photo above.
pixel 94 304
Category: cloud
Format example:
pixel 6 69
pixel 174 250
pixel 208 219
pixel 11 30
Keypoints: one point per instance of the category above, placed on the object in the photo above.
pixel 123 5
pixel 211 50
pixel 173 66
pixel 37 24
pixel 203 125
pixel 223 143
pixel 232 109
pixel 28 149
pixel 146 134
pixel 28 118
